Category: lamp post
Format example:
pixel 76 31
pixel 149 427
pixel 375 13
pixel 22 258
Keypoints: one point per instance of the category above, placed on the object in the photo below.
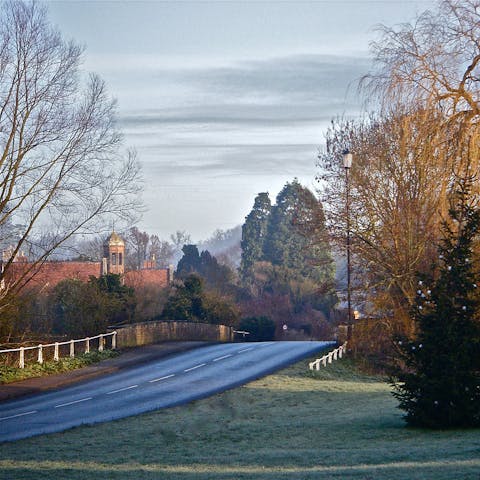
pixel 347 164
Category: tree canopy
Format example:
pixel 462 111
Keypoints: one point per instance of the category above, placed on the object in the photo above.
pixel 290 234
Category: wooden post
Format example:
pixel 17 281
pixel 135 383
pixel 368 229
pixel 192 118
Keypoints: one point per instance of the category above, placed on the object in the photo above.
pixel 55 354
pixel 21 362
pixel 72 349
pixel 40 354
pixel 114 340
pixel 100 343
pixel 87 345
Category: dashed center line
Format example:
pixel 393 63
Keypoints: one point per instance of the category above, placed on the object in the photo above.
pixel 245 350
pixel 161 378
pixel 122 389
pixel 195 367
pixel 221 358
pixel 18 415
pixel 72 403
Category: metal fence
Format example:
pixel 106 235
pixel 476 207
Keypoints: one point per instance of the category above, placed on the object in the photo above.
pixel 329 357
pixel 57 350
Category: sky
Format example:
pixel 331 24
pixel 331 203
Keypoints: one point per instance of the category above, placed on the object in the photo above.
pixel 226 99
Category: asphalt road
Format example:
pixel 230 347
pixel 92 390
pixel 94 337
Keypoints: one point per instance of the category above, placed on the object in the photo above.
pixel 163 383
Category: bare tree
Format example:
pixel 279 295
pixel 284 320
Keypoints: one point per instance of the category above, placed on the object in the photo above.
pixel 162 250
pixel 434 63
pixel 399 184
pixel 425 85
pixel 137 246
pixel 60 166
pixel 179 239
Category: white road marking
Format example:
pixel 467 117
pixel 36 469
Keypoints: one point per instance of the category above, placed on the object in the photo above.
pixel 122 389
pixel 18 415
pixel 72 403
pixel 161 378
pixel 195 367
pixel 221 358
pixel 245 350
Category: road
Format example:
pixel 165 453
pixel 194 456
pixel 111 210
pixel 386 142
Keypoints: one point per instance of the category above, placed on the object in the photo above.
pixel 163 383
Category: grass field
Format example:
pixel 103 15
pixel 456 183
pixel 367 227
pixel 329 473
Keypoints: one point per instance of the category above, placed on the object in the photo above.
pixel 338 424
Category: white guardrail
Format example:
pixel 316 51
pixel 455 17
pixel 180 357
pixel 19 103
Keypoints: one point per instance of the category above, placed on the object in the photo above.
pixel 56 345
pixel 329 357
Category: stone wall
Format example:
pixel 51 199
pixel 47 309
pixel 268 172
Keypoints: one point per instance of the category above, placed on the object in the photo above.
pixel 154 332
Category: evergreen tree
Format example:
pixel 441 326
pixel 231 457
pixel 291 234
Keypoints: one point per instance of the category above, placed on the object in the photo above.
pixel 190 262
pixel 296 234
pixel 189 302
pixel 216 276
pixel 438 385
pixel 254 232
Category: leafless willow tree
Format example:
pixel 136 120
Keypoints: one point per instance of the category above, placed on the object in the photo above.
pixel 434 63
pixel 61 170
pixel 425 132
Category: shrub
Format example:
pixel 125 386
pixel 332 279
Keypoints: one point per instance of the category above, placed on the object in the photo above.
pixel 260 328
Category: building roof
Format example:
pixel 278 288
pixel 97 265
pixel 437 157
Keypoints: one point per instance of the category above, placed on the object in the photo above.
pixel 114 240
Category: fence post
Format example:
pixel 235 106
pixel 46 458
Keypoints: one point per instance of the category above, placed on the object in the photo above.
pixel 55 354
pixel 335 354
pixel 40 354
pixel 100 343
pixel 87 345
pixel 330 357
pixel 114 340
pixel 340 352
pixel 324 360
pixel 72 349
pixel 21 362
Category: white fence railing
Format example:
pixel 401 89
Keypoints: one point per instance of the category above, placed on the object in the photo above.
pixel 329 357
pixel 56 346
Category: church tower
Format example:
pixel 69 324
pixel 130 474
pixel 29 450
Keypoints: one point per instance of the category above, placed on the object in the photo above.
pixel 113 255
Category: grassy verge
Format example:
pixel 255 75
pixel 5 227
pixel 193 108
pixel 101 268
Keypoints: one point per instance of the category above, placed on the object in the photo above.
pixel 291 425
pixel 10 374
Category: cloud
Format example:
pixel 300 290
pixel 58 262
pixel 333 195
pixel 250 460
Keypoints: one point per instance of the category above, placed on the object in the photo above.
pixel 216 161
pixel 231 130
pixel 298 79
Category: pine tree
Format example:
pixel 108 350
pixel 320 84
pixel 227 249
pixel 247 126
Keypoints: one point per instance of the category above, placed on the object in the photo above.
pixel 254 232
pixel 438 385
pixel 296 235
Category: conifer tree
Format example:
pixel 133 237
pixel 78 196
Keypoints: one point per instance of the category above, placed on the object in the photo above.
pixel 254 232
pixel 297 236
pixel 438 385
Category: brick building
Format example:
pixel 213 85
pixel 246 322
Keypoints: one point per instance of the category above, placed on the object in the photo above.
pixel 49 274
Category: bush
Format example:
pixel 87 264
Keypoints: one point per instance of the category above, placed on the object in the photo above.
pixel 260 328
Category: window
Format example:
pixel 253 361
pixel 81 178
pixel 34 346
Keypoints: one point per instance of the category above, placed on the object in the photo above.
pixel 114 258
pixel 120 259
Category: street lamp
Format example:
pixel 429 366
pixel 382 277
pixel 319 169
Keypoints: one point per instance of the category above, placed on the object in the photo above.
pixel 347 164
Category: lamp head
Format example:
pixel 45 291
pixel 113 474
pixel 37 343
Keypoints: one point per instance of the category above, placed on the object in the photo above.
pixel 347 159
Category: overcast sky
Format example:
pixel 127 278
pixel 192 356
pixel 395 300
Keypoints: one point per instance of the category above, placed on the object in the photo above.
pixel 225 99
